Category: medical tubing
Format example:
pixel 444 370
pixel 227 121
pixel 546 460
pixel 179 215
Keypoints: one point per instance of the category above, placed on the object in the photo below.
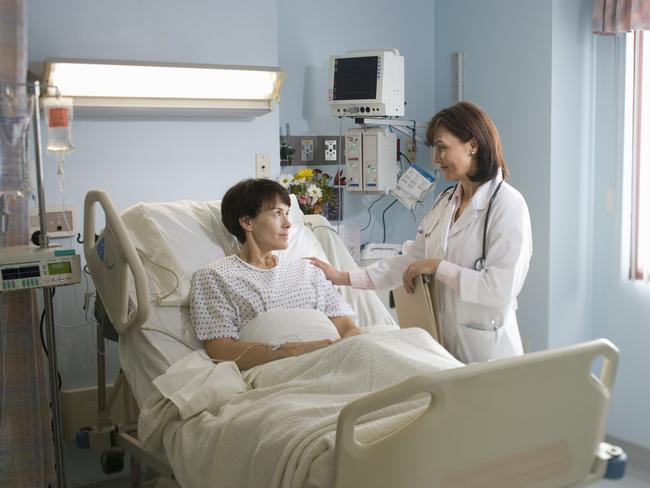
pixel 487 217
pixel 369 214
pixel 404 156
pixel 44 346
pixel 141 253
pixel 383 219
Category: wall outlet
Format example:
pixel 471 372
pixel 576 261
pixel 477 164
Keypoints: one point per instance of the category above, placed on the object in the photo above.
pixel 306 150
pixel 330 150
pixel 262 166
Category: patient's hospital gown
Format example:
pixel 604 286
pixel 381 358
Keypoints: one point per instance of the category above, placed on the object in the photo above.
pixel 229 292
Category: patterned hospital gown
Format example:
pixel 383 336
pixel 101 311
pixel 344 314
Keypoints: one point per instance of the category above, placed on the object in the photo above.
pixel 229 292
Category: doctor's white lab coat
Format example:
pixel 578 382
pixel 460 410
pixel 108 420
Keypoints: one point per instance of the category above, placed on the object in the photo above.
pixel 476 309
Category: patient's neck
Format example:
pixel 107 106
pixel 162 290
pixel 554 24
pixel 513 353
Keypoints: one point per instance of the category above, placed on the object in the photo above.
pixel 257 257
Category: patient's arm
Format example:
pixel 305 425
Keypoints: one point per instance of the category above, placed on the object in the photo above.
pixel 346 326
pixel 249 354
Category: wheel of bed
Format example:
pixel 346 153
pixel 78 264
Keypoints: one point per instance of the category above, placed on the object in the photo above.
pixel 384 409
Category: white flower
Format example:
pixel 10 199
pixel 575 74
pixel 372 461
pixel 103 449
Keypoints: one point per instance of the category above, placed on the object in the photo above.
pixel 298 181
pixel 285 180
pixel 314 193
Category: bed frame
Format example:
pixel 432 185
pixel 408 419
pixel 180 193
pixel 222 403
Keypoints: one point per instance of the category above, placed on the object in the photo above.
pixel 532 421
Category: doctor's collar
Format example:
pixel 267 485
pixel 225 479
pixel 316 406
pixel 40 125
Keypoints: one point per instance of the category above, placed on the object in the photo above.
pixel 481 197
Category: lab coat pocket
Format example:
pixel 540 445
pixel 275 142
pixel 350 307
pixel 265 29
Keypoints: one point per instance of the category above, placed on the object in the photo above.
pixel 479 344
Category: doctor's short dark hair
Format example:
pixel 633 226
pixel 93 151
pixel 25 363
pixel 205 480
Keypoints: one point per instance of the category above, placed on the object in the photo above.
pixel 247 199
pixel 466 120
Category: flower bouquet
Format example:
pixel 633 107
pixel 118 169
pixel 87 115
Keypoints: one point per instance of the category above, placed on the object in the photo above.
pixel 312 188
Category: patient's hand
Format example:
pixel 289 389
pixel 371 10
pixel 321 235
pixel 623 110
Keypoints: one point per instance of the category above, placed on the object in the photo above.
pixel 335 276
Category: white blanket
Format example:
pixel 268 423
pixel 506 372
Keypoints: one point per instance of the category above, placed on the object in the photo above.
pixel 281 431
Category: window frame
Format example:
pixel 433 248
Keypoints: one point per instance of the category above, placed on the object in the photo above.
pixel 640 147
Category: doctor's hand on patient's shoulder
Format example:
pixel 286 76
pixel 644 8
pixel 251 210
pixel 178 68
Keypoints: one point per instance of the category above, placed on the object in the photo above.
pixel 422 267
pixel 335 276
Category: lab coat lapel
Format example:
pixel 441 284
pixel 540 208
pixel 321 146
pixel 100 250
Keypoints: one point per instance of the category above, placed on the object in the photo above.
pixel 478 203
pixel 467 217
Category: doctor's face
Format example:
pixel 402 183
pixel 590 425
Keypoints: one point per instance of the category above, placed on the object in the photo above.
pixel 453 157
pixel 270 228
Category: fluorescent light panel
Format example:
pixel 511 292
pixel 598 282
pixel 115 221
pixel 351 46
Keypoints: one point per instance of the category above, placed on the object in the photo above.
pixel 129 81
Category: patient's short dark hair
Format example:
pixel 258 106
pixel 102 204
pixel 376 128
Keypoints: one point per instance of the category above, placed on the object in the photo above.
pixel 247 199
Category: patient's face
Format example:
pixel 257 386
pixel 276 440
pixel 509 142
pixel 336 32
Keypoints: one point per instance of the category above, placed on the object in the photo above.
pixel 270 229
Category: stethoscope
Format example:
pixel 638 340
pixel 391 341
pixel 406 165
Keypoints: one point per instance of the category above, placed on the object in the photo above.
pixel 479 264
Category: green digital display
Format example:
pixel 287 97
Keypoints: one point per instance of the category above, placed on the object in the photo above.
pixel 59 268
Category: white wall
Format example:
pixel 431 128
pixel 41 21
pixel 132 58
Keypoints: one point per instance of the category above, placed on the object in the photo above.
pixel 506 46
pixel 309 32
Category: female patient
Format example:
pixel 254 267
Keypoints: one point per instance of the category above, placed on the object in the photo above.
pixel 228 293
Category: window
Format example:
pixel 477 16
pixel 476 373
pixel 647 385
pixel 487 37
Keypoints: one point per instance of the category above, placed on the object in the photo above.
pixel 640 153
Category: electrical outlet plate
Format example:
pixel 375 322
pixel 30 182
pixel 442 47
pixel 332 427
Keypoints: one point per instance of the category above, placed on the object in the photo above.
pixel 330 150
pixel 307 150
pixel 262 166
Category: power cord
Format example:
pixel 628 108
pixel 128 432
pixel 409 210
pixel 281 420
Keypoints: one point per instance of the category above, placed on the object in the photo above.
pixel 369 214
pixel 383 219
pixel 42 322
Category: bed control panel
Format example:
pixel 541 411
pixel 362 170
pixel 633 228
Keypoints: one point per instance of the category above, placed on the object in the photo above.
pixel 24 267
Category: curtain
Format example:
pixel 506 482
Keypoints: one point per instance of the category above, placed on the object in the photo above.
pixel 26 447
pixel 618 16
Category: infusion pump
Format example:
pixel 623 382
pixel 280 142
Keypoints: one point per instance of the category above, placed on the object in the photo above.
pixel 24 267
pixel 370 159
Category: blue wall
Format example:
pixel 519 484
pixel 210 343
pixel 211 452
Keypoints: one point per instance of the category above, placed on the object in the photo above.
pixel 620 307
pixel 547 82
pixel 309 32
pixel 554 91
pixel 507 71
pixel 160 159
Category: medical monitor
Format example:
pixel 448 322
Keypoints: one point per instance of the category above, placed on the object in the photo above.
pixel 367 83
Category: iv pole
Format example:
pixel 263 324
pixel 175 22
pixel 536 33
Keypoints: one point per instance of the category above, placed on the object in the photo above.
pixel 47 301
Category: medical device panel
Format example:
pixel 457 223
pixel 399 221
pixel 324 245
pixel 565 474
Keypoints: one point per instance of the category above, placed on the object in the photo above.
pixel 24 267
pixel 368 83
pixel 370 159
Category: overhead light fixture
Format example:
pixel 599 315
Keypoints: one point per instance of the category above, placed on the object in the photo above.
pixel 230 90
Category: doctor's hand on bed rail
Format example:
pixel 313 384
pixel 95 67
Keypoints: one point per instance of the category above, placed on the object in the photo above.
pixel 340 278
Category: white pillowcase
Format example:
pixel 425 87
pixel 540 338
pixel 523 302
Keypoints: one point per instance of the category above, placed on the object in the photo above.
pixel 289 325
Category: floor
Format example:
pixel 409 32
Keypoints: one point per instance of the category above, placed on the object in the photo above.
pixel 632 479
pixel 637 473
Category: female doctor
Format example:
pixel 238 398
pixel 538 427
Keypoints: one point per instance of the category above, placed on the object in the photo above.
pixel 476 240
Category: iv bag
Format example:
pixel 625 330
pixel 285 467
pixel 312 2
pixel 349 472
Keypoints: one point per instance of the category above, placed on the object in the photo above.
pixel 58 113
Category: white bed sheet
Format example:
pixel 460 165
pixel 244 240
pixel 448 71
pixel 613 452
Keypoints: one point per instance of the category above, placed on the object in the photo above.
pixel 284 427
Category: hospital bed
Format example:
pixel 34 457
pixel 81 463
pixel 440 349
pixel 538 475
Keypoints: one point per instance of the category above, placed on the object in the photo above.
pixel 424 420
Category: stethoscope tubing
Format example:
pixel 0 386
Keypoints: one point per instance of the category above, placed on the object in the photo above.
pixel 480 262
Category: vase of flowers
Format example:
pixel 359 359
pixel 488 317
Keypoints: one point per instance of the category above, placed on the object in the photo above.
pixel 312 188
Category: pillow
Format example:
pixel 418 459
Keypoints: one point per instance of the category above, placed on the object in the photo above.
pixel 302 241
pixel 174 240
pixel 289 325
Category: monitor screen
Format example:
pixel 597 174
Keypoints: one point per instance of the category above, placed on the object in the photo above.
pixel 63 267
pixel 355 78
